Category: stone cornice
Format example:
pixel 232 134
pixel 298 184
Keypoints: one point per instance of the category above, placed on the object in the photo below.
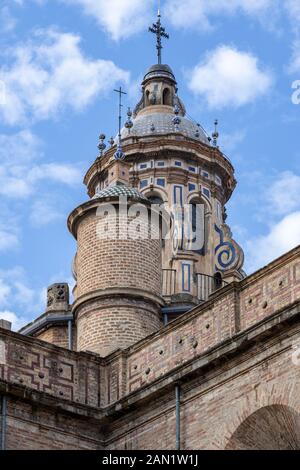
pixel 122 292
pixel 162 147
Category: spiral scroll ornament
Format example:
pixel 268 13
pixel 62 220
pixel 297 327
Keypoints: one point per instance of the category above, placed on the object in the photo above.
pixel 225 253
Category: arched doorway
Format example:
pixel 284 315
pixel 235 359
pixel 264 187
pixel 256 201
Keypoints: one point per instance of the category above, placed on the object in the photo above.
pixel 275 427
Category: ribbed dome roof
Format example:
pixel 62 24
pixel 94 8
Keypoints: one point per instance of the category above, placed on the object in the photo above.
pixel 162 123
pixel 114 192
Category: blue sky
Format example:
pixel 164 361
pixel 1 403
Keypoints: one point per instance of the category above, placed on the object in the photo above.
pixel 60 61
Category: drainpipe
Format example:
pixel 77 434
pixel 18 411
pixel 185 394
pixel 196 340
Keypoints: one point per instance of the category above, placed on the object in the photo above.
pixel 165 318
pixel 177 397
pixel 3 423
pixel 70 333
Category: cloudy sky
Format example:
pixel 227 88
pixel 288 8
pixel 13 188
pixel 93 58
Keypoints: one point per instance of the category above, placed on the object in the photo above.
pixel 236 60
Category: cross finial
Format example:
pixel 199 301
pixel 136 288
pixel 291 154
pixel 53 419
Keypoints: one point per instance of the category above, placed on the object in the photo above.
pixel 160 33
pixel 215 135
pixel 119 154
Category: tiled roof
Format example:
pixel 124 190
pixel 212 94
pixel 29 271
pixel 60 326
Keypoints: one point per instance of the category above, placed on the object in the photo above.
pixel 120 190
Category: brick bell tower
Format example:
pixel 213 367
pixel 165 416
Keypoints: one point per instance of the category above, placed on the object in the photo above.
pixel 118 293
pixel 126 287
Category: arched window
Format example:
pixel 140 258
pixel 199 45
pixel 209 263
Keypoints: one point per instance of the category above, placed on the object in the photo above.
pixel 194 227
pixel 154 199
pixel 147 98
pixel 167 97
pixel 157 200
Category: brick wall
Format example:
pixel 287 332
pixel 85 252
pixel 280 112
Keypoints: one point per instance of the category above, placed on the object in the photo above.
pixel 180 342
pixel 104 264
pixel 110 321
pixel 216 403
pixel 268 291
pixel 49 369
pixel 227 313
pixel 57 335
pixel 109 324
pixel 35 427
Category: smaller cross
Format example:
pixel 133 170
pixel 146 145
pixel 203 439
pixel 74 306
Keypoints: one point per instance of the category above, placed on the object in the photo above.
pixel 120 93
pixel 119 155
pixel 160 33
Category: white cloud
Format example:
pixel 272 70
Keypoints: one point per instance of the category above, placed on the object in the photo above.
pixel 45 212
pixel 278 208
pixel 230 142
pixel 9 233
pixel 293 9
pixel 61 173
pixel 4 292
pixel 8 238
pixel 17 295
pixel 199 13
pixel 19 148
pixel 50 74
pixel 119 18
pixel 21 170
pixel 7 21
pixel 229 77
pixel 283 195
pixel 282 237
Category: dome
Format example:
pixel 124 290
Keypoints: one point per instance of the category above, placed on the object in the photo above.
pixel 120 190
pixel 162 123
pixel 160 70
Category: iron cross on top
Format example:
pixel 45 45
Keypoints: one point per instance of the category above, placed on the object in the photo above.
pixel 160 33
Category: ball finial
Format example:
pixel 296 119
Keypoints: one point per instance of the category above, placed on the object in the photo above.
pixel 101 145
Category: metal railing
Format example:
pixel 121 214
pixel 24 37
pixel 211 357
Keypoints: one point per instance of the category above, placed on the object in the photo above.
pixel 168 282
pixel 206 285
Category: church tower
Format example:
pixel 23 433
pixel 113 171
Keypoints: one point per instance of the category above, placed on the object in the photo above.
pixel 166 345
pixel 152 240
pixel 161 158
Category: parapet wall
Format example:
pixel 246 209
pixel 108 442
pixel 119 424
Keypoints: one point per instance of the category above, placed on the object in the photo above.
pixel 98 382
pixel 233 309
pixel 49 369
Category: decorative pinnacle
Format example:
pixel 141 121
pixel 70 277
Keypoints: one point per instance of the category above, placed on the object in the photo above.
pixel 160 33
pixel 119 154
pixel 129 123
pixel 176 119
pixel 101 145
pixel 215 134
